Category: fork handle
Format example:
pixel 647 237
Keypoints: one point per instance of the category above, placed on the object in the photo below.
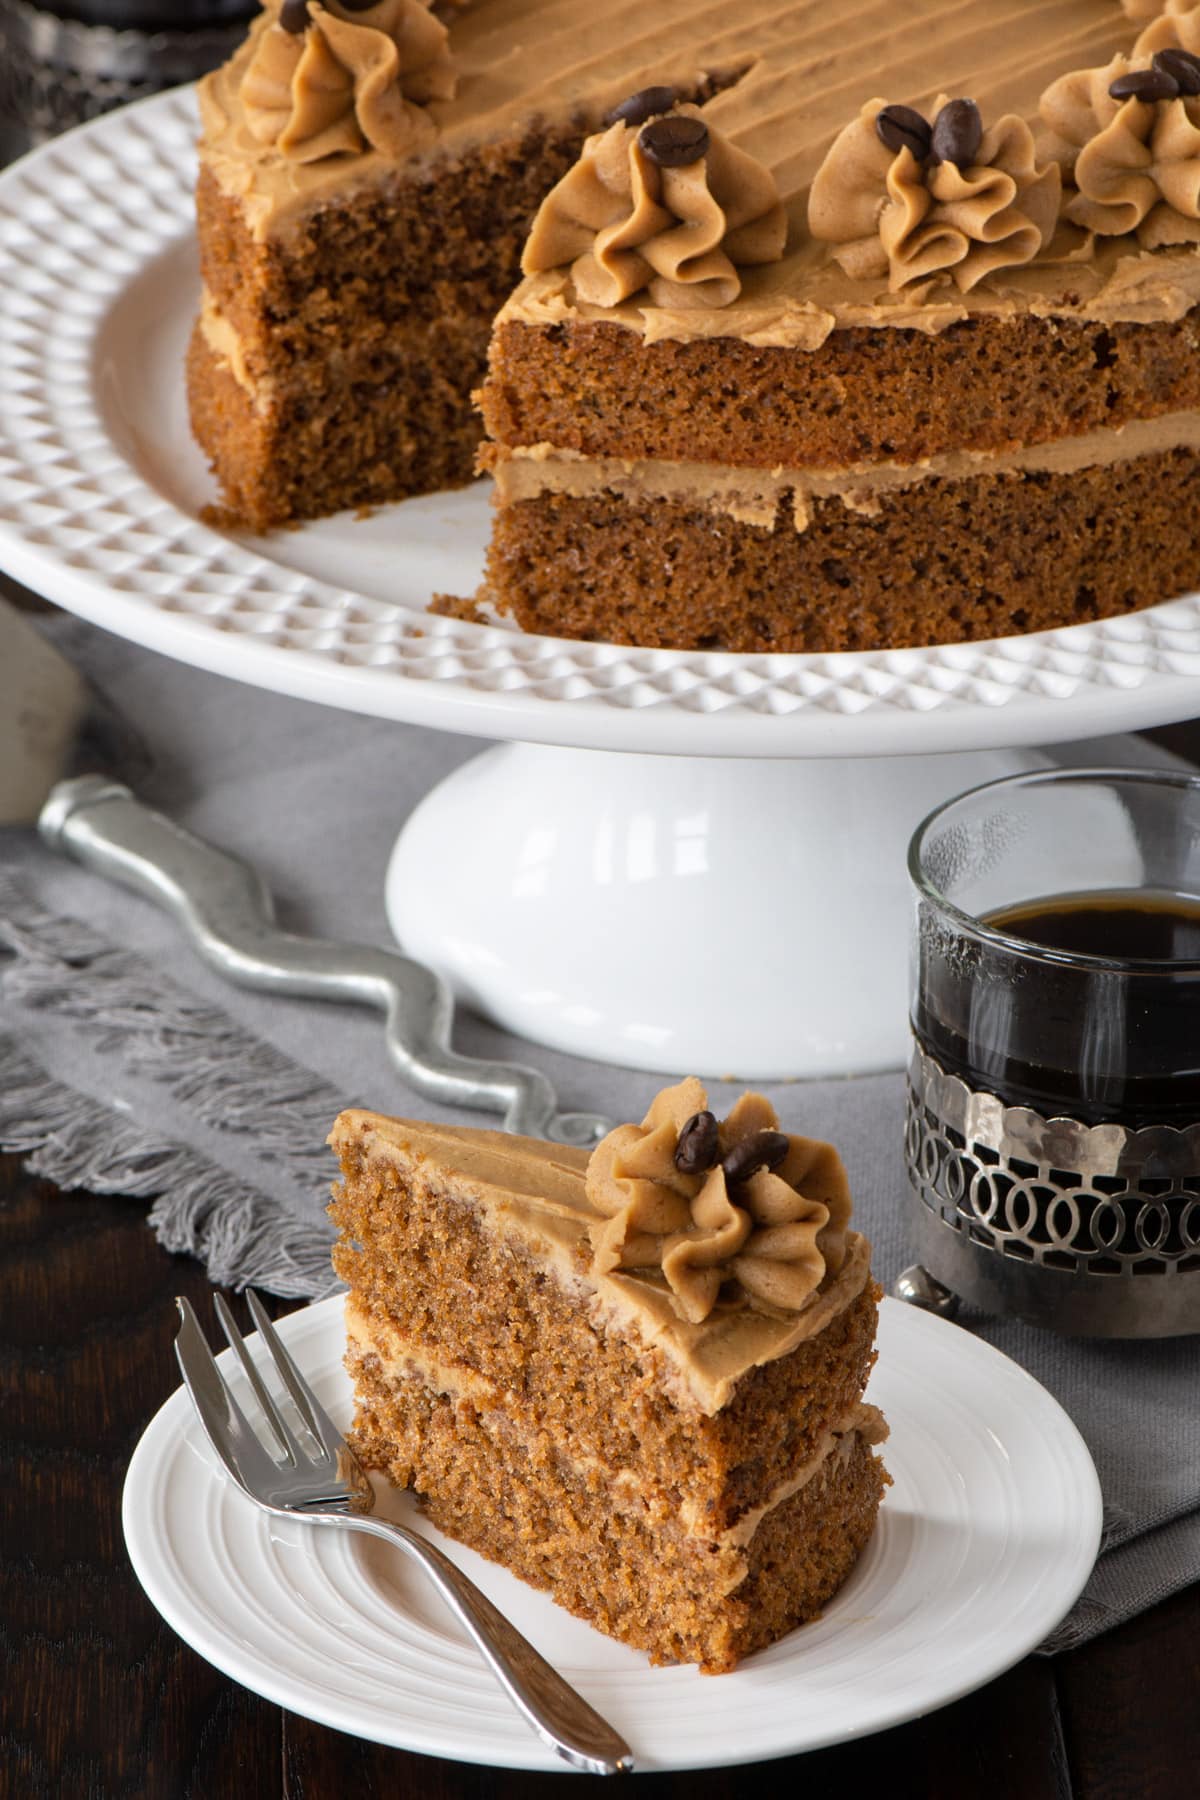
pixel 226 911
pixel 560 1716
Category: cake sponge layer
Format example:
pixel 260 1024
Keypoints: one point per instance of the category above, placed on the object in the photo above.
pixel 304 447
pixel 601 1547
pixel 430 1267
pixel 944 561
pixel 864 395
pixel 408 274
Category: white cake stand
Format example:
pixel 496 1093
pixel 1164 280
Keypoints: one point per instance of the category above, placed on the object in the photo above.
pixel 674 860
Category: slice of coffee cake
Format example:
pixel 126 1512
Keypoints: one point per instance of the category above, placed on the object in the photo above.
pixel 636 1379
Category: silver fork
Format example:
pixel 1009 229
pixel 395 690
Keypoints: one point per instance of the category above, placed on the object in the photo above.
pixel 324 1481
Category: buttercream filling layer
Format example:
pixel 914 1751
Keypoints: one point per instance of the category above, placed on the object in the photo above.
pixel 754 496
pixel 225 343
pixel 401 1363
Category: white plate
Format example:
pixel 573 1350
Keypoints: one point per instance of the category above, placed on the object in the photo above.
pixel 101 490
pixel 984 1542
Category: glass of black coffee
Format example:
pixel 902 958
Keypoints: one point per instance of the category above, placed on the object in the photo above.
pixel 1053 1132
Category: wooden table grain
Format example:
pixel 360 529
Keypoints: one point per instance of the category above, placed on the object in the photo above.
pixel 99 1699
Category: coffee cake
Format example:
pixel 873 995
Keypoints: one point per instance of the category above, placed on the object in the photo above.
pixel 634 1379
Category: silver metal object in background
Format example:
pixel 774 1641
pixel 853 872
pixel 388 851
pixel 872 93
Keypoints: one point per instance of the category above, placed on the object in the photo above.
pixel 321 1480
pixel 51 722
pixel 1090 1229
pixel 57 71
pixel 916 1287
pixel 227 912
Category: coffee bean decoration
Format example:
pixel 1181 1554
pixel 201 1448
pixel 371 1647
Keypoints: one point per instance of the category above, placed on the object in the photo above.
pixel 357 5
pixel 698 1147
pixel 765 1150
pixel 957 134
pixel 1148 85
pixel 675 141
pixel 648 103
pixel 293 16
pixel 1182 67
pixel 903 128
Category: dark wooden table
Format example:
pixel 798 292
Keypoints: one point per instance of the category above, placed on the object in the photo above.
pixel 99 1698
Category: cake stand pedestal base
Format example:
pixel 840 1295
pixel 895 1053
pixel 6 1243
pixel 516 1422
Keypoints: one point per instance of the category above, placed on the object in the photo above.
pixel 679 914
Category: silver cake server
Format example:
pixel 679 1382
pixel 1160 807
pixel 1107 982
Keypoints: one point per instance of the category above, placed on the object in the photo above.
pixel 58 740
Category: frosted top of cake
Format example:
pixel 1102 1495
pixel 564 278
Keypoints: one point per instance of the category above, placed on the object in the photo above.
pixel 735 1210
pixel 790 81
pixel 537 1194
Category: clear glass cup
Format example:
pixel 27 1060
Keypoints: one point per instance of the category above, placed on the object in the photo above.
pixel 1054 1108
pixel 64 61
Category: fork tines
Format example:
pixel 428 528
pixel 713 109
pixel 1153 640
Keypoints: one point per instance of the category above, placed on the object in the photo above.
pixel 262 1470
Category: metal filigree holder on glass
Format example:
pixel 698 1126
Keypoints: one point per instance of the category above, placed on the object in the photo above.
pixel 56 72
pixel 1090 1229
pixel 1053 1128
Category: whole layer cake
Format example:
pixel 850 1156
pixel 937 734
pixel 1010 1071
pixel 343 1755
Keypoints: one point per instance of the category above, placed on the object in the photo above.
pixel 635 1380
pixel 841 326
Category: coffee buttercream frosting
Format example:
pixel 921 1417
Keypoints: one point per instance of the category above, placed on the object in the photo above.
pixel 534 1195
pixel 627 221
pixel 1175 25
pixel 891 212
pixel 346 81
pixel 739 1205
pixel 782 84
pixel 1134 164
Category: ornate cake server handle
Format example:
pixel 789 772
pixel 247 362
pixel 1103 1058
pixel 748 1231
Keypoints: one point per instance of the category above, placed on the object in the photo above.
pixel 227 911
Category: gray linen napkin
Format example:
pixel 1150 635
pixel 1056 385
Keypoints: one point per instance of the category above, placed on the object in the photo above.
pixel 127 1067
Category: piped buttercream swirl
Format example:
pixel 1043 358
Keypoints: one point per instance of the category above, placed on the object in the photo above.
pixel 1174 25
pixel 888 213
pixel 774 1234
pixel 348 82
pixel 1133 165
pixel 625 224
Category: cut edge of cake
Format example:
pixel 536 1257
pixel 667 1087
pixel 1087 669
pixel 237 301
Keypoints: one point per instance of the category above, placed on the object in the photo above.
pixel 540 1410
pixel 907 374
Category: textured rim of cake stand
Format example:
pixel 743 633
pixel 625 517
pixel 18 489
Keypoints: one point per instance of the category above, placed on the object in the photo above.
pixel 88 213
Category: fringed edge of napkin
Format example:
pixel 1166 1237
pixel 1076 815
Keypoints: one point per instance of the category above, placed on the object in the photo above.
pixel 242 1237
pixel 155 1031
pixel 231 1079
